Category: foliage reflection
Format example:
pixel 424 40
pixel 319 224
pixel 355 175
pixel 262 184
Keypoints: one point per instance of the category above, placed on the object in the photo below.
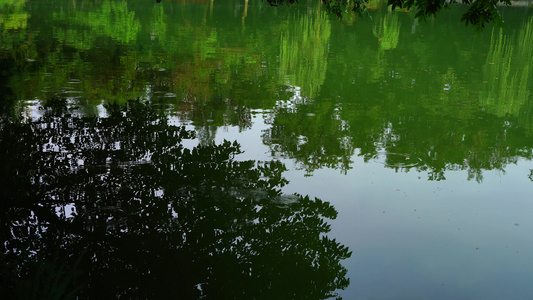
pixel 411 96
pixel 118 207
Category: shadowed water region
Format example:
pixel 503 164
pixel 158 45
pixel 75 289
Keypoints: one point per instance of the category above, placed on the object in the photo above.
pixel 234 150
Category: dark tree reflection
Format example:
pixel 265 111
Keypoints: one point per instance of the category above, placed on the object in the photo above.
pixel 117 207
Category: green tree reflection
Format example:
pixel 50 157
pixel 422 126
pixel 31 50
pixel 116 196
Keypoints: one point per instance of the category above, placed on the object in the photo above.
pixel 387 31
pixel 388 91
pixel 507 71
pixel 13 16
pixel 117 207
pixel 413 107
pixel 312 133
pixel 112 19
pixel 109 52
pixel 303 52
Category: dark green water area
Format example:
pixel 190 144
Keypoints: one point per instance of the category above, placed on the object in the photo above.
pixel 233 150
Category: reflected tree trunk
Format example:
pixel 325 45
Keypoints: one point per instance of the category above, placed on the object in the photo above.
pixel 245 11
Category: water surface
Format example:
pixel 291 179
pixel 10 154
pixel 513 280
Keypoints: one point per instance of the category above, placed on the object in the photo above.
pixel 408 144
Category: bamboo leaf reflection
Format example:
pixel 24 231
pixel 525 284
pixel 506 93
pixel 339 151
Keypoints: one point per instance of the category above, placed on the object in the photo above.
pixel 154 219
pixel 112 19
pixel 387 31
pixel 507 71
pixel 303 52
pixel 422 105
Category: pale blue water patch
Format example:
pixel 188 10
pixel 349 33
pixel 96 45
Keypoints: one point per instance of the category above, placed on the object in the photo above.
pixel 418 239
pixel 250 139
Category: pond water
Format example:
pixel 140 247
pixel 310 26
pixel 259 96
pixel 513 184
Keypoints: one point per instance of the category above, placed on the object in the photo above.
pixel 234 150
